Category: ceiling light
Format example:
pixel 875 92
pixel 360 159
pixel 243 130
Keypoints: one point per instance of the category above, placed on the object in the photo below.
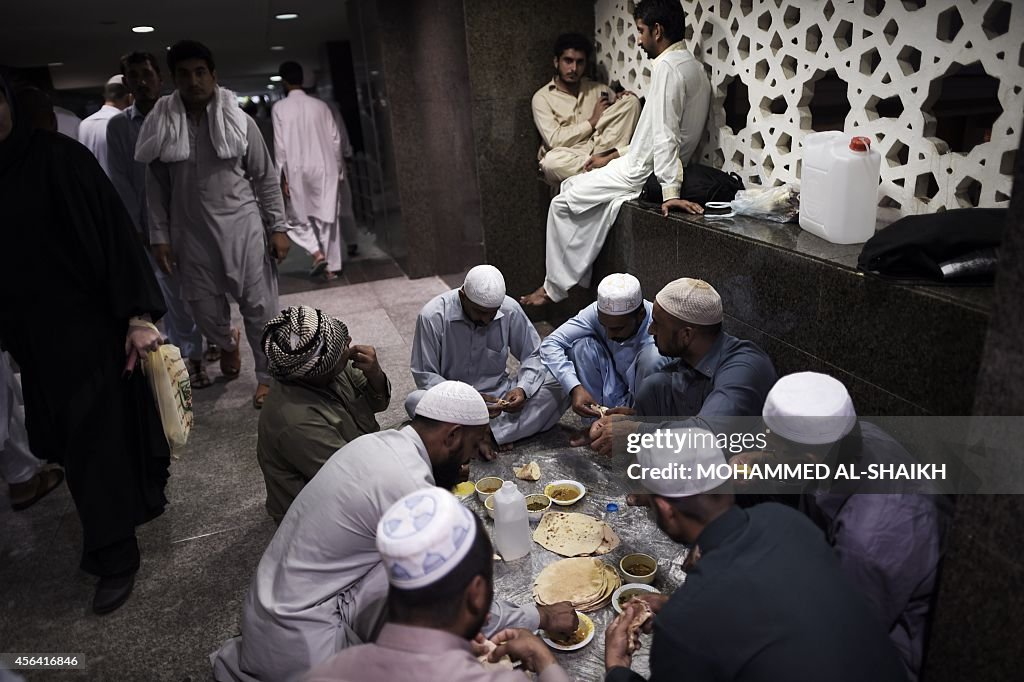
pixel 256 99
pixel 271 86
pixel 275 79
pixel 142 29
pixel 56 64
pixel 286 16
pixel 277 48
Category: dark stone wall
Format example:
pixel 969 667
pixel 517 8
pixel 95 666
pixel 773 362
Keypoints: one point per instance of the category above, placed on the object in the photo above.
pixel 509 47
pixel 427 75
pixel 979 617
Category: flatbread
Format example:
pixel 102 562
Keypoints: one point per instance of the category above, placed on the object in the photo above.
pixel 569 534
pixel 643 614
pixel 503 663
pixel 528 472
pixel 585 582
pixel 609 542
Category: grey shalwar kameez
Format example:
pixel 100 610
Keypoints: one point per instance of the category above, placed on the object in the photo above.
pixel 320 586
pixel 448 346
pixel 209 210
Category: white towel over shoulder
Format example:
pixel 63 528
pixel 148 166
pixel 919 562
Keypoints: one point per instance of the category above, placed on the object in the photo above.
pixel 164 133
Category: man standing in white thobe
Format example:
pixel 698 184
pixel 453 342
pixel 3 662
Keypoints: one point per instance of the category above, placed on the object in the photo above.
pixel 466 335
pixel 666 137
pixel 603 354
pixel 207 165
pixel 307 147
pixel 321 585
pixel 93 131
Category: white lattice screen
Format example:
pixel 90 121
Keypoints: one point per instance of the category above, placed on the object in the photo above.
pixel 894 56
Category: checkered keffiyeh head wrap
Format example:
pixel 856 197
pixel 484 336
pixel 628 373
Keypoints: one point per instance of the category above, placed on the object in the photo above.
pixel 304 342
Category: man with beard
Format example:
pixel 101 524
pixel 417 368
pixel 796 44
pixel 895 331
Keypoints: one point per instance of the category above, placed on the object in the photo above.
pixel 142 77
pixel 320 586
pixel 467 334
pixel 766 600
pixel 438 561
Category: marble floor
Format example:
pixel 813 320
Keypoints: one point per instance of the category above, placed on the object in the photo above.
pixel 199 556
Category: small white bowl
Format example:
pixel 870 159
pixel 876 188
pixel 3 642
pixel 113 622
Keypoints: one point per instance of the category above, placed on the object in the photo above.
pixel 481 495
pixel 644 559
pixel 489 505
pixel 549 488
pixel 630 589
pixel 535 515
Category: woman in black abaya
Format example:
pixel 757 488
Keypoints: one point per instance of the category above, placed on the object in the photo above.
pixel 71 327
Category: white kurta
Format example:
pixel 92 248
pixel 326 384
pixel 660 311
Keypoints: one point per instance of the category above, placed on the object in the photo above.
pixel 17 463
pixel 93 133
pixel 320 586
pixel 447 346
pixel 307 148
pixel 670 128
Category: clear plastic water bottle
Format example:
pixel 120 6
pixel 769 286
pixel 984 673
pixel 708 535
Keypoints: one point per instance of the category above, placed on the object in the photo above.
pixel 511 523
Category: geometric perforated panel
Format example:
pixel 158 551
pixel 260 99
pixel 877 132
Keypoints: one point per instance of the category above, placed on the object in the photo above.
pixel 915 74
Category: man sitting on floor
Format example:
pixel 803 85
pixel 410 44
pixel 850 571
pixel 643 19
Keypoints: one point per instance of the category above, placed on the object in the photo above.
pixel 441 574
pixel 666 137
pixel 320 586
pixel 715 376
pixel 467 334
pixel 888 534
pixel 579 121
pixel 327 392
pixel 766 600
pixel 603 354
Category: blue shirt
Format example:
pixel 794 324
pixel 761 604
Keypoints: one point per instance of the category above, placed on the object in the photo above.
pixel 555 348
pixel 731 380
pixel 127 174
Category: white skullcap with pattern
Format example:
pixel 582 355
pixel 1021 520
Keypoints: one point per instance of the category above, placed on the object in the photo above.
pixel 485 286
pixel 423 536
pixel 809 408
pixel 691 300
pixel 618 294
pixel 454 402
pixel 699 452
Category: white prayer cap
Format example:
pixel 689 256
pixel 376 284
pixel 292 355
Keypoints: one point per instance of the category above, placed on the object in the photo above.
pixel 423 536
pixel 618 294
pixel 809 408
pixel 691 448
pixel 454 402
pixel 117 79
pixel 485 286
pixel 691 300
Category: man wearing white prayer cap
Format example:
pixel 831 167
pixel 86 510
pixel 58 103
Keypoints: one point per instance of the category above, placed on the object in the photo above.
pixel 437 556
pixel 92 132
pixel 604 353
pixel 888 534
pixel 467 334
pixel 765 599
pixel 320 585
pixel 714 376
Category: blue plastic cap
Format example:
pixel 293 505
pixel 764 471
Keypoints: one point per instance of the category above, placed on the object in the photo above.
pixel 612 507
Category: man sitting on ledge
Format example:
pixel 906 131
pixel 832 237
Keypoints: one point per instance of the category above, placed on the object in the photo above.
pixel 670 128
pixel 580 121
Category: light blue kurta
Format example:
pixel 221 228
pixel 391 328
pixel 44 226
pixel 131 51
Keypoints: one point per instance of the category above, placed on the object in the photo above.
pixel 447 346
pixel 580 353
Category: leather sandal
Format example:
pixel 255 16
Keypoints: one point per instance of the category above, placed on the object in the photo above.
pixel 231 360
pixel 24 495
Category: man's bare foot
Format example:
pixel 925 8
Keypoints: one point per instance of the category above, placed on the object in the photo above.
pixel 507 447
pixel 537 298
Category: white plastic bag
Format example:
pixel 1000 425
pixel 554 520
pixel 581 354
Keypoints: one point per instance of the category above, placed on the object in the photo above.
pixel 779 204
pixel 168 379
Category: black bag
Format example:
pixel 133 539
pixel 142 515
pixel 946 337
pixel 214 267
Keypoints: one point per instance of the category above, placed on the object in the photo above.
pixel 701 184
pixel 951 247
